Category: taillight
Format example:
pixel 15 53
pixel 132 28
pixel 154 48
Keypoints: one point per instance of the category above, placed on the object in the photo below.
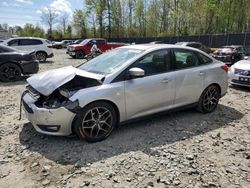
pixel 49 46
pixel 225 68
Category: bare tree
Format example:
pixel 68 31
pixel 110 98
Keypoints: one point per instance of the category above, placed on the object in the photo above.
pixel 64 20
pixel 49 18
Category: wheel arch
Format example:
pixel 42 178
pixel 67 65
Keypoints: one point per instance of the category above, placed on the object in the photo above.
pixel 100 100
pixel 13 62
pixel 215 84
pixel 80 50
pixel 41 51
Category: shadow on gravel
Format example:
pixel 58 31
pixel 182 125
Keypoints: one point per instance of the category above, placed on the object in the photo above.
pixel 141 135
pixel 19 82
pixel 46 62
pixel 240 88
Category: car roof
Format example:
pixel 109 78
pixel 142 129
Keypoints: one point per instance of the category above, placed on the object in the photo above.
pixel 157 46
pixel 185 43
pixel 27 38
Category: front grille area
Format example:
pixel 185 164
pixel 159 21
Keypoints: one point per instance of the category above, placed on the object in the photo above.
pixel 241 82
pixel 242 72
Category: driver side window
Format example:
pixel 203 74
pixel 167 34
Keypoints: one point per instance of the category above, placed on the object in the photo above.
pixel 154 63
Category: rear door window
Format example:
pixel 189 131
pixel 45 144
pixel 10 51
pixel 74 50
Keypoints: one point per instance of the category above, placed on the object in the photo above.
pixel 25 42
pixel 185 59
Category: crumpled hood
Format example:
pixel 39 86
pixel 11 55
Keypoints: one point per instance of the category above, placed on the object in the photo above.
pixel 243 64
pixel 49 81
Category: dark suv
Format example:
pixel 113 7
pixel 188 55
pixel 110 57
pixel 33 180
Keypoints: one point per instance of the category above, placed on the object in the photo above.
pixel 229 54
pixel 197 45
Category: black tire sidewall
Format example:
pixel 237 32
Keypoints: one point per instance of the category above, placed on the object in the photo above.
pixel 78 53
pixel 43 55
pixel 77 127
pixel 200 104
pixel 16 67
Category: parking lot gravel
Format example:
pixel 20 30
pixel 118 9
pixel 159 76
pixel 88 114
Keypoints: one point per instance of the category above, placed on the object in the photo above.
pixel 178 149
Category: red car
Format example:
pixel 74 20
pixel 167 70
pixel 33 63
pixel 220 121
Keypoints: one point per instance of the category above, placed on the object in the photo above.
pixel 229 54
pixel 80 50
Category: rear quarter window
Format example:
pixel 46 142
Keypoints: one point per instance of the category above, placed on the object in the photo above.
pixel 203 60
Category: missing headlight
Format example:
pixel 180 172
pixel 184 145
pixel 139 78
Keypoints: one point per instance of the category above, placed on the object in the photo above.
pixel 66 93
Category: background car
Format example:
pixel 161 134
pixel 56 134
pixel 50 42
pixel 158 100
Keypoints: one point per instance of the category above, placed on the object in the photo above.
pixel 239 73
pixel 42 46
pixel 62 44
pixel 78 41
pixel 80 50
pixel 197 45
pixel 14 63
pixel 229 54
pixel 123 84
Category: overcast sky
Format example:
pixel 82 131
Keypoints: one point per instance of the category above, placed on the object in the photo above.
pixel 19 12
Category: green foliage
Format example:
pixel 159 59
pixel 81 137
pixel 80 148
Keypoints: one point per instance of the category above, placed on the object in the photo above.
pixel 146 18
pixel 30 30
pixel 79 23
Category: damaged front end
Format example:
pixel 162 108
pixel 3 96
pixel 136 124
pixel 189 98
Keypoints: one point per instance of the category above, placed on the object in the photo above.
pixel 54 113
pixel 60 97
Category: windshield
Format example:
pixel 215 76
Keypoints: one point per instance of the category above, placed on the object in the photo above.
pixel 109 61
pixel 85 41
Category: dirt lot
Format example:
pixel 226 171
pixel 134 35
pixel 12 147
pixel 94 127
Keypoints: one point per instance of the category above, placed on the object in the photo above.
pixel 181 149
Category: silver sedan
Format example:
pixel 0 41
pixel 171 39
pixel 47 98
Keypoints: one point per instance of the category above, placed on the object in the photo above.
pixel 123 84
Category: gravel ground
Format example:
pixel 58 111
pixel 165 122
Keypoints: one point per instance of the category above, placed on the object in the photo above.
pixel 181 149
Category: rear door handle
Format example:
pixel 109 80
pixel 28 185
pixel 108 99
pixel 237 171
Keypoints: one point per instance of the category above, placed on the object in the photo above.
pixel 202 73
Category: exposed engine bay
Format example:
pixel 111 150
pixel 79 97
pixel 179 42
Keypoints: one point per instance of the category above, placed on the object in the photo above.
pixel 60 97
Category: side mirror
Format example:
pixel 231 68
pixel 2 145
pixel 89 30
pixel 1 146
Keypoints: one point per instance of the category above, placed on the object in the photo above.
pixel 136 73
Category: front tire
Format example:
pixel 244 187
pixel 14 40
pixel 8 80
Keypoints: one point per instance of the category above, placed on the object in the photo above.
pixel 10 72
pixel 80 54
pixel 209 99
pixel 96 122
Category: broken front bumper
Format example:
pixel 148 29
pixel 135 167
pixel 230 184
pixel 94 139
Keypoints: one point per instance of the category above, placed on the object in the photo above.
pixel 47 121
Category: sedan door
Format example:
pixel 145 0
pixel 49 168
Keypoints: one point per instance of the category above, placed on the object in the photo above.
pixel 155 91
pixel 189 77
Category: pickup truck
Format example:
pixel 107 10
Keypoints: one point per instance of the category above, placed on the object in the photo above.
pixel 80 50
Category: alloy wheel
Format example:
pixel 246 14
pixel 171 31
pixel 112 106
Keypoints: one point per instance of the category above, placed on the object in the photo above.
pixel 97 122
pixel 41 57
pixel 211 99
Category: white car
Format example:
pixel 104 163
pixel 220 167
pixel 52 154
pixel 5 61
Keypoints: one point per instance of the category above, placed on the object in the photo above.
pixel 123 84
pixel 43 47
pixel 239 73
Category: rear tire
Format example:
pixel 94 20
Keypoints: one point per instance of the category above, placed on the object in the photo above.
pixel 41 57
pixel 80 54
pixel 95 122
pixel 209 99
pixel 10 72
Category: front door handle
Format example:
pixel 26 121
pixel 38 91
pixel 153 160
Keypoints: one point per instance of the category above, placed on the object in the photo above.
pixel 165 80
